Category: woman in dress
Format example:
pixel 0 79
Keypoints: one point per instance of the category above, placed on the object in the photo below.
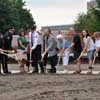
pixel 21 52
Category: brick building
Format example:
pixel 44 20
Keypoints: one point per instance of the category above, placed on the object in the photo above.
pixel 91 4
pixel 58 28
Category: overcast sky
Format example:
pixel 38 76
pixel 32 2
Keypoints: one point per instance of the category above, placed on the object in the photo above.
pixel 56 12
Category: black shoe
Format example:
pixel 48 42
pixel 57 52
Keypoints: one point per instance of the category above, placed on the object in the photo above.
pixel 35 72
pixel 7 73
pixel 90 67
pixel 2 74
pixel 52 71
pixel 77 72
pixel 42 72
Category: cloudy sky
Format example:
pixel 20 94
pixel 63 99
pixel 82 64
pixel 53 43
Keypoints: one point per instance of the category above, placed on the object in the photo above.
pixel 55 12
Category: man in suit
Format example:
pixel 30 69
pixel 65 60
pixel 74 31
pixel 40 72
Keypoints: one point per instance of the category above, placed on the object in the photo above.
pixel 7 46
pixel 50 49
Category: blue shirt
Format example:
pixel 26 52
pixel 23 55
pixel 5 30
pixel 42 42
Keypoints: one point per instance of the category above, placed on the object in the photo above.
pixel 64 43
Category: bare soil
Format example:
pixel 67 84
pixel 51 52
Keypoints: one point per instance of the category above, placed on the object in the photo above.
pixel 50 86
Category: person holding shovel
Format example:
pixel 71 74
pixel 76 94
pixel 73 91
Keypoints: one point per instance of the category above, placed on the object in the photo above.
pixel 50 49
pixel 89 47
pixel 64 51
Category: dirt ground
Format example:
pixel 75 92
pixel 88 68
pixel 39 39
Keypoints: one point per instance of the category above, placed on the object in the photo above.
pixel 50 86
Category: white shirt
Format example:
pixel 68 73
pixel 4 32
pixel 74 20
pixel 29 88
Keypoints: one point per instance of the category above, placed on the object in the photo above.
pixel 35 39
pixel 97 43
pixel 85 40
pixel 91 45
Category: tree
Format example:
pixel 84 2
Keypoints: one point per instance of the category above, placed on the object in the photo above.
pixel 25 17
pixel 13 13
pixel 98 3
pixel 4 14
pixel 80 24
pixel 89 21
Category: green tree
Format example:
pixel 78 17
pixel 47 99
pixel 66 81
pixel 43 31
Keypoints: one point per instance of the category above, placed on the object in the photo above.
pixel 98 3
pixel 25 17
pixel 89 21
pixel 13 13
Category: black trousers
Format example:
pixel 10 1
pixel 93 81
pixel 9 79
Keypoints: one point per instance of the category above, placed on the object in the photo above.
pixel 53 61
pixel 99 56
pixel 36 58
pixel 28 60
pixel 3 63
pixel 45 60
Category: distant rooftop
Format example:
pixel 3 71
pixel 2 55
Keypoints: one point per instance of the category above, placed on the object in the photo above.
pixel 59 27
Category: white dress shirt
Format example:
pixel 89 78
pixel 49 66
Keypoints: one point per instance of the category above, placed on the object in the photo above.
pixel 35 39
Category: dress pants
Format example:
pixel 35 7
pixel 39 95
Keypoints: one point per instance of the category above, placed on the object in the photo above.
pixel 5 65
pixel 36 59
